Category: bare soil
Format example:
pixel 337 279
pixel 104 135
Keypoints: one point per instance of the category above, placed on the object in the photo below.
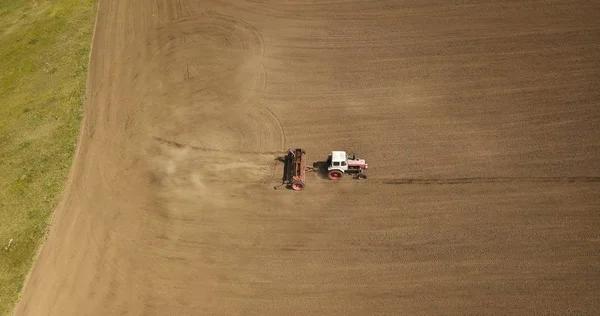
pixel 480 122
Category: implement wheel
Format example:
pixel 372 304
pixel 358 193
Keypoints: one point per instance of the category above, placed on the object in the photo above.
pixel 297 185
pixel 335 174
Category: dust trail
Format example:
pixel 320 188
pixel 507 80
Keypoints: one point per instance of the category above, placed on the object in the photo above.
pixel 181 145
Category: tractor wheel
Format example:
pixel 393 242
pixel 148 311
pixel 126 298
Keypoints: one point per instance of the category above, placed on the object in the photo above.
pixel 361 176
pixel 297 185
pixel 335 174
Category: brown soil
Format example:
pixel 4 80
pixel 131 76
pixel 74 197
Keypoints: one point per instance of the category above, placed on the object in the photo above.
pixel 480 122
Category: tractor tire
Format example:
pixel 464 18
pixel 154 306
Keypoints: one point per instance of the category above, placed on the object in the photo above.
pixel 335 174
pixel 361 176
pixel 297 185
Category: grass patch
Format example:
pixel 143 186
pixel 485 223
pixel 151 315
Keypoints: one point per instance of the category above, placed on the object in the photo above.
pixel 44 48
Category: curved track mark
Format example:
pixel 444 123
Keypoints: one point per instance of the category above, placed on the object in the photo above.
pixel 198 52
pixel 281 127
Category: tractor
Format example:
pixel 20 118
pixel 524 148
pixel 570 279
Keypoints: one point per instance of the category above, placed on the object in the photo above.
pixel 338 163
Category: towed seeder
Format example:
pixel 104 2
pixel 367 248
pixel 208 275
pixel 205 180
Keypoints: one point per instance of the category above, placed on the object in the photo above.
pixel 295 168
pixel 338 164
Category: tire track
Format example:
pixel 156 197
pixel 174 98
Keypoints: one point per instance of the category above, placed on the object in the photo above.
pixel 445 181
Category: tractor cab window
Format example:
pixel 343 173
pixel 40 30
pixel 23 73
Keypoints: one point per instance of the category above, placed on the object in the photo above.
pixel 343 163
pixel 336 163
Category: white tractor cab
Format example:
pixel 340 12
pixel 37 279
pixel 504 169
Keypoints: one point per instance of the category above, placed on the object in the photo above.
pixel 338 163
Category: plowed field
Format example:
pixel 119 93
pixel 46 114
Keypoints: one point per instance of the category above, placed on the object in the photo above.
pixel 480 121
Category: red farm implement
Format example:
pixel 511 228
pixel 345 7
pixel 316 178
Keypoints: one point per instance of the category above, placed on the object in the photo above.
pixel 338 164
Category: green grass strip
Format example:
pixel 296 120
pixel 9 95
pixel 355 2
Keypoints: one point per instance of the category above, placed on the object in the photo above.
pixel 44 52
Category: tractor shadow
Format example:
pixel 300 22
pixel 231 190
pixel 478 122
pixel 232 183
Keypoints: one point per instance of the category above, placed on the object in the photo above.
pixel 286 177
pixel 283 160
pixel 320 168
